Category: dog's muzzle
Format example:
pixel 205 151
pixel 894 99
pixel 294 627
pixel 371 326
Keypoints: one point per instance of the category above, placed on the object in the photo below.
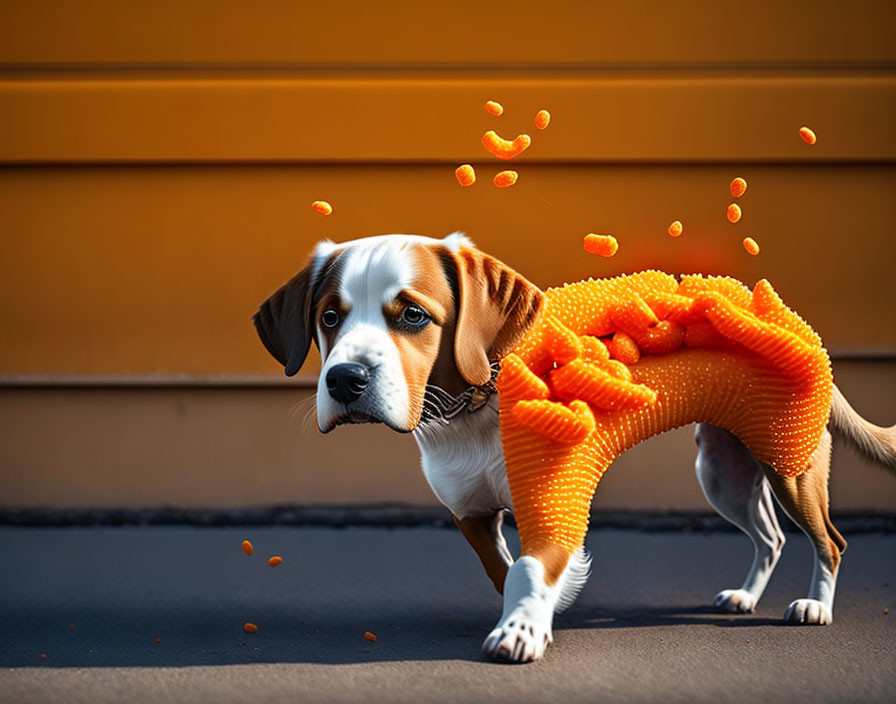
pixel 347 382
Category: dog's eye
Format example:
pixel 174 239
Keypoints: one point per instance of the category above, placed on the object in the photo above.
pixel 330 319
pixel 414 315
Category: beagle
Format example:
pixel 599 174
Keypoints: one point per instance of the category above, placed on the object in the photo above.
pixel 411 331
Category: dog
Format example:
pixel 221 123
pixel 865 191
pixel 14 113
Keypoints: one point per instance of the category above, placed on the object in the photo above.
pixel 411 332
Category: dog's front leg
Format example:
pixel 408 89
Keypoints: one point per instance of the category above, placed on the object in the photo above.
pixel 484 535
pixel 532 591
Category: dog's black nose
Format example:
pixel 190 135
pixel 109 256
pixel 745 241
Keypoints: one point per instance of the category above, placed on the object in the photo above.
pixel 346 382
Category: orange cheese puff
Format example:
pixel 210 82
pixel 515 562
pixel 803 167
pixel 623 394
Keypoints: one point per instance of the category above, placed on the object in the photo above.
pixel 322 207
pixel 562 343
pixel 675 228
pixel 466 175
pixel 672 306
pixel 370 636
pixel 494 108
pixel 518 381
pixel 542 118
pixel 274 561
pixel 751 246
pixel 504 149
pixel 738 187
pixel 733 213
pixel 662 338
pixel 632 315
pixel 624 348
pixel 555 421
pixel 585 381
pixel 616 368
pixel 505 179
pixel 250 627
pixel 704 335
pixel 247 547
pixel 808 135
pixel 594 349
pixel 602 245
pixel 693 284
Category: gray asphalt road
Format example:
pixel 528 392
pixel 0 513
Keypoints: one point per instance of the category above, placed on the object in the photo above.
pixel 94 601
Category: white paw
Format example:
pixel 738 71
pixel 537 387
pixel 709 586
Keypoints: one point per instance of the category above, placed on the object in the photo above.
pixel 808 611
pixel 517 638
pixel 735 601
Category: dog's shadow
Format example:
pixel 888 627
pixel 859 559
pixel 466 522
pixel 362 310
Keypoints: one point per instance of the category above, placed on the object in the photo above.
pixel 658 616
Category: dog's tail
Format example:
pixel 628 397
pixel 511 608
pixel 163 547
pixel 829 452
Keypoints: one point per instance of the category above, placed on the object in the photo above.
pixel 875 442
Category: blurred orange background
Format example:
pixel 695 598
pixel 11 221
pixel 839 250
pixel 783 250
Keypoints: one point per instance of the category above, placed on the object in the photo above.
pixel 158 162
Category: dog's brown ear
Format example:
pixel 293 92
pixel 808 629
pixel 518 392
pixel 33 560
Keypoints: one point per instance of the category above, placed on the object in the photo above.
pixel 497 307
pixel 283 322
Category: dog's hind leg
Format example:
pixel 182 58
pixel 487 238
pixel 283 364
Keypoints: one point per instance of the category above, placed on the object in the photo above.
pixel 734 483
pixel 805 499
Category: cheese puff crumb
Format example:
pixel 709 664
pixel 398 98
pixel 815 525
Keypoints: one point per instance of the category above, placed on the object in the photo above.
pixel 505 179
pixel 808 135
pixel 247 547
pixel 675 229
pixel 733 213
pixel 274 561
pixel 738 187
pixel 503 148
pixel 751 246
pixel 494 108
pixel 369 636
pixel 250 627
pixel 322 207
pixel 602 245
pixel 466 175
pixel 542 119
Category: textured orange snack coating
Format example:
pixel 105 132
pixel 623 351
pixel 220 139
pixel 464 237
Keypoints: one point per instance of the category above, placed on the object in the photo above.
pixel 250 627
pixel 601 245
pixel 505 149
pixel 675 229
pixel 322 207
pixel 750 365
pixel 247 547
pixel 274 561
pixel 494 108
pixel 808 135
pixel 542 118
pixel 738 187
pixel 465 174
pixel 505 179
pixel 751 246
pixel 733 213
pixel 624 348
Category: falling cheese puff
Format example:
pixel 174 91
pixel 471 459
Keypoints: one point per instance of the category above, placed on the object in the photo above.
pixel 738 187
pixel 247 547
pixel 466 175
pixel 250 627
pixel 505 179
pixel 808 135
pixel 369 636
pixel 624 348
pixel 675 229
pixel 751 246
pixel 602 245
pixel 733 213
pixel 542 118
pixel 494 108
pixel 504 149
pixel 322 207
pixel 274 561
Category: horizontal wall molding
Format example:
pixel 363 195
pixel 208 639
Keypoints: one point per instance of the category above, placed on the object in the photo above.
pixel 430 120
pixel 503 32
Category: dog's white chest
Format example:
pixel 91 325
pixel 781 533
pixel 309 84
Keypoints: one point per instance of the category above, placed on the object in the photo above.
pixel 464 463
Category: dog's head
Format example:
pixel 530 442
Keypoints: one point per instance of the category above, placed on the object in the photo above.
pixel 391 315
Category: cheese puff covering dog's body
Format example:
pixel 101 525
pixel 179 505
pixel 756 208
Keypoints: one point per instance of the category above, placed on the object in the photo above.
pixel 711 351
